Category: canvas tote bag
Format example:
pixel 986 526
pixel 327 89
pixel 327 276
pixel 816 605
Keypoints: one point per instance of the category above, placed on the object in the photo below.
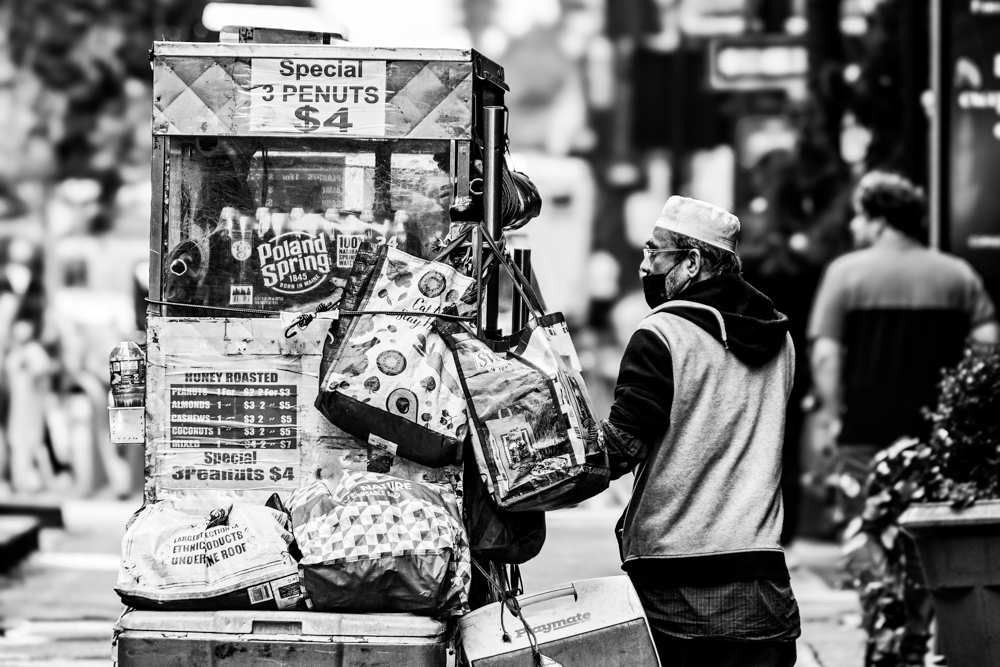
pixel 387 378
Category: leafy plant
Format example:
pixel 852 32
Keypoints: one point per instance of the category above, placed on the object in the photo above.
pixel 959 463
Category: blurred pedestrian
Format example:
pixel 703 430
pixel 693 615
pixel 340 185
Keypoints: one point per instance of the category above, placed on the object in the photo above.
pixel 699 414
pixel 28 370
pixel 886 319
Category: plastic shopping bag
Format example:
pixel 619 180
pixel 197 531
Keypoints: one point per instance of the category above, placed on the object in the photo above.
pixel 377 543
pixel 534 434
pixel 234 557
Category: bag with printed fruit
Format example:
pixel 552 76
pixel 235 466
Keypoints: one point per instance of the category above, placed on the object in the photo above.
pixel 387 378
pixel 240 556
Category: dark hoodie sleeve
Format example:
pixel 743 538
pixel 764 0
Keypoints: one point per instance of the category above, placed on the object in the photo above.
pixel 645 388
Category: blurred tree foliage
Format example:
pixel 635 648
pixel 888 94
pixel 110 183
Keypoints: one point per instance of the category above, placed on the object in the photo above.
pixel 878 77
pixel 83 59
pixel 959 464
pixel 886 97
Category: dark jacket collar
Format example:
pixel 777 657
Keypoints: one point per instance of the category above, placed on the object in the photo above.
pixel 744 319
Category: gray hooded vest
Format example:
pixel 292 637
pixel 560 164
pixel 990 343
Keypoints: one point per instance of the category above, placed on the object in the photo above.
pixel 708 496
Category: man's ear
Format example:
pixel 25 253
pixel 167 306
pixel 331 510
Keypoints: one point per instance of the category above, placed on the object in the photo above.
pixel 693 263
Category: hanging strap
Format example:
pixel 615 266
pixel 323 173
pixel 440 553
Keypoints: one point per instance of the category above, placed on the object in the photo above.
pixel 303 320
pixel 508 601
pixel 521 284
pixel 462 237
pixel 249 311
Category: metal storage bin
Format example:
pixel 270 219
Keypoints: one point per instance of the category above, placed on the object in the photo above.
pixel 293 639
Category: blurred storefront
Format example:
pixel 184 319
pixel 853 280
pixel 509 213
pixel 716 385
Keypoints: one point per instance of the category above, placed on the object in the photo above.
pixel 767 107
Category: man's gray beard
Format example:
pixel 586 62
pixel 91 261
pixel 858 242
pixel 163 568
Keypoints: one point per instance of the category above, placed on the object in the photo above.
pixel 674 285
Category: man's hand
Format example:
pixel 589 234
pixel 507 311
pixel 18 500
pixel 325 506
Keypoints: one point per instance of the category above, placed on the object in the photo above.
pixel 625 451
pixel 826 358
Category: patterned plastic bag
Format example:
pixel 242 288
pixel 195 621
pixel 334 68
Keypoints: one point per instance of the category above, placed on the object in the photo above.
pixel 387 378
pixel 534 434
pixel 376 543
pixel 234 557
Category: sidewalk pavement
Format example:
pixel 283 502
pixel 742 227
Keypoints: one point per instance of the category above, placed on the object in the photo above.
pixel 831 618
pixel 58 607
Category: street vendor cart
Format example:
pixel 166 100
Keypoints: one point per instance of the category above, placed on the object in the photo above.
pixel 309 196
pixel 275 156
pixel 285 157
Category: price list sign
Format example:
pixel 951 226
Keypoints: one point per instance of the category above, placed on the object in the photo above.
pixel 232 429
pixel 224 411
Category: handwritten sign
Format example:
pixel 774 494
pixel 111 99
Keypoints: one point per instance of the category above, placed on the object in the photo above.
pixel 233 409
pixel 322 97
pixel 232 429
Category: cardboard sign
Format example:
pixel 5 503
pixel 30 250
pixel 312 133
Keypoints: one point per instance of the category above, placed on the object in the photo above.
pixel 233 409
pixel 320 97
pixel 232 429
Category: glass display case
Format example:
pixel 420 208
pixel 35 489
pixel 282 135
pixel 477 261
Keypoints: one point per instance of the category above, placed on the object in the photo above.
pixel 273 162
pixel 274 224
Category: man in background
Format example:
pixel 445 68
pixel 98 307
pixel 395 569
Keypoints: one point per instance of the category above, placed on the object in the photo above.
pixel 699 415
pixel 886 319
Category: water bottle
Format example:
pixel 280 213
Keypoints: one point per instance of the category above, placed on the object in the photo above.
pixel 128 375
pixel 263 221
pixel 279 224
pixel 221 258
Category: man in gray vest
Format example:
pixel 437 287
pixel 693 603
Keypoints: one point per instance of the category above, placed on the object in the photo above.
pixel 699 417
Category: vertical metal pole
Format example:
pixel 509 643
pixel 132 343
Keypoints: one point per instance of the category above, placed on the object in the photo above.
pixel 477 267
pixel 516 306
pixel 157 225
pixel 941 107
pixel 382 206
pixel 493 146
pixel 519 310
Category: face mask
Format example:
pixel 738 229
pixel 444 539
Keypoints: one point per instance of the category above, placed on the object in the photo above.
pixel 654 287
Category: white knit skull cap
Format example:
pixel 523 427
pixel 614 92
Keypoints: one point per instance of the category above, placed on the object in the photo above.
pixel 700 220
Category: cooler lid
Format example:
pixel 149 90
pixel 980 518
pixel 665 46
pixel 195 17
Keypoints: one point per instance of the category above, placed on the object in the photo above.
pixel 285 623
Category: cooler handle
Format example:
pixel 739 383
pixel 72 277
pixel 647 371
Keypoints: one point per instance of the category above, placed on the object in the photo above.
pixel 545 596
pixel 268 627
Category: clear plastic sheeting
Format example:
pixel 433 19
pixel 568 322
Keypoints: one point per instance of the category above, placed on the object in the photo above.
pixel 273 224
